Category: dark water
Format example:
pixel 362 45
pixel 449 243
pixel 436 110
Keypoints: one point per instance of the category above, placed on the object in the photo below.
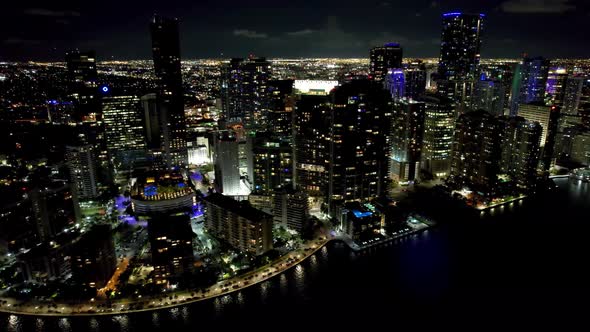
pixel 525 266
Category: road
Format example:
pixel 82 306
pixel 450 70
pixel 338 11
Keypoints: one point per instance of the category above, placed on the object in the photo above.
pixel 171 299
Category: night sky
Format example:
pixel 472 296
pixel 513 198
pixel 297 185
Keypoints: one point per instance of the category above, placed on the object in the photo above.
pixel 45 30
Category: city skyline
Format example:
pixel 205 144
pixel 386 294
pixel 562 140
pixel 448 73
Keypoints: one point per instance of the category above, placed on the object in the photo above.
pixel 129 187
pixel 331 29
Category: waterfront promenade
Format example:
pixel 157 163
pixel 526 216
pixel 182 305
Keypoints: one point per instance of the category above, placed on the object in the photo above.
pixel 168 299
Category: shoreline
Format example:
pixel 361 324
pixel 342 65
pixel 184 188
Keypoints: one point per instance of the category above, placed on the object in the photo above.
pixel 299 255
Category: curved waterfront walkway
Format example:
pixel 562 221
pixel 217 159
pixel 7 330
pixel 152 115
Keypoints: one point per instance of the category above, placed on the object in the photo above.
pixel 180 298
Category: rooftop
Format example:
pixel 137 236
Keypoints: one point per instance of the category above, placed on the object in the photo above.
pixel 243 208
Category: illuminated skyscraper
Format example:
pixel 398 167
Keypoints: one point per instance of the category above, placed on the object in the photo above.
pixel 572 94
pixel 415 79
pixel 226 162
pixel 439 125
pixel 312 132
pixel 360 122
pixel 520 140
pixel 395 82
pixel 383 59
pixel 83 79
pixel 529 82
pixel 166 53
pixel 407 139
pixel 272 160
pixel 81 161
pixel 280 109
pixel 475 157
pixel 548 117
pixel 245 91
pixel 458 65
pixel 460 46
pixel 488 95
pixel 124 130
pixel 555 88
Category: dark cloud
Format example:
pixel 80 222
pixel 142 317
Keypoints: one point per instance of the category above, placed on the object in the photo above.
pixel 537 6
pixel 303 32
pixel 51 13
pixel 305 28
pixel 250 34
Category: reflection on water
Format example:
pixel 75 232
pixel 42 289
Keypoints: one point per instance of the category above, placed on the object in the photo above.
pixel 64 324
pixel 155 319
pixel 39 324
pixel 14 324
pixel 122 321
pixel 94 325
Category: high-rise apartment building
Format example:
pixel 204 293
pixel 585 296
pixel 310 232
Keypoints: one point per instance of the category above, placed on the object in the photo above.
pixel 475 157
pixel 547 117
pixel 488 95
pixel 458 65
pixel 245 91
pixel 83 84
pixel 572 94
pixel 439 126
pixel 407 139
pixel 520 141
pixel 272 160
pixel 383 59
pixel 359 149
pixel 81 163
pixel 312 143
pixel 529 82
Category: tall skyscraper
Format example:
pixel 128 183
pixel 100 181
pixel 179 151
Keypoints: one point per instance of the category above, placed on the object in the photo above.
pixel 488 95
pixel 395 82
pixel 548 117
pixel 360 120
pixel 460 46
pixel 83 79
pixel 458 65
pixel 475 157
pixel 272 160
pixel 166 53
pixel 312 132
pixel 407 139
pixel 226 162
pixel 383 59
pixel 415 79
pixel 572 94
pixel 439 125
pixel 230 85
pixel 520 141
pixel 246 92
pixel 124 130
pixel 529 82
pixel 81 162
pixel 280 108
pixel 556 84
pixel 54 208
